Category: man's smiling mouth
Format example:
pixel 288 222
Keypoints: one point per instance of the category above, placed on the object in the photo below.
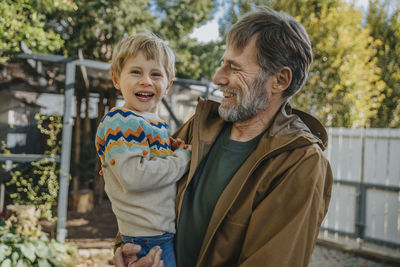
pixel 228 95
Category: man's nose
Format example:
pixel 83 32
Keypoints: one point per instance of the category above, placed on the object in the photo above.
pixel 220 78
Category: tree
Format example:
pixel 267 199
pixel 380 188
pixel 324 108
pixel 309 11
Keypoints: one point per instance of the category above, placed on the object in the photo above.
pixel 25 20
pixel 201 60
pixel 385 29
pixel 344 88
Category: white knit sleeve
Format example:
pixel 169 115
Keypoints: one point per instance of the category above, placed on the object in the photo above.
pixel 136 172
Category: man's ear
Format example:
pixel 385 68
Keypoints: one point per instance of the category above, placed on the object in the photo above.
pixel 282 80
pixel 115 81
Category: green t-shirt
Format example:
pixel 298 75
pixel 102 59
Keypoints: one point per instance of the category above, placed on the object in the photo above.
pixel 209 181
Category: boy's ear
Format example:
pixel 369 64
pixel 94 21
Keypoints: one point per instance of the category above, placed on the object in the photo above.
pixel 115 81
pixel 169 86
pixel 282 80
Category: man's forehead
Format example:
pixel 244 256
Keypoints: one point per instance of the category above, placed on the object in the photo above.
pixel 242 55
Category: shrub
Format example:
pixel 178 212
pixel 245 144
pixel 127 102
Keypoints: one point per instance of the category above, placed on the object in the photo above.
pixel 22 243
pixel 36 183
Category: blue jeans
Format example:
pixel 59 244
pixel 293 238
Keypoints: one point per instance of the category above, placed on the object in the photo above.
pixel 164 241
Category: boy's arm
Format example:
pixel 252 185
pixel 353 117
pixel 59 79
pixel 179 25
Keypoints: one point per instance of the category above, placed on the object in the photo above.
pixel 138 173
pixel 130 163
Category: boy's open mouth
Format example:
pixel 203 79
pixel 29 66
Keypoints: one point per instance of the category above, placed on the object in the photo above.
pixel 144 95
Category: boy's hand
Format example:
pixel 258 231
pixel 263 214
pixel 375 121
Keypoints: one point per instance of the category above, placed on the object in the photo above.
pixel 179 144
pixel 188 148
pixel 176 143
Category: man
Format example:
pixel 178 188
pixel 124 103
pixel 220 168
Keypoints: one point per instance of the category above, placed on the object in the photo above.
pixel 259 185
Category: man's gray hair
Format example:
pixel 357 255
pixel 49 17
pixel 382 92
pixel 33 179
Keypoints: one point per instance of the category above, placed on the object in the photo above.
pixel 281 42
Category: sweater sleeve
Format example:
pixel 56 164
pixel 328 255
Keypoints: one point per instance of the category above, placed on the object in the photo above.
pixel 125 155
pixel 136 173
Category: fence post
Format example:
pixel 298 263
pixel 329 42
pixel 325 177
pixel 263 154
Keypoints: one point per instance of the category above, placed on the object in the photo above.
pixel 65 152
pixel 361 199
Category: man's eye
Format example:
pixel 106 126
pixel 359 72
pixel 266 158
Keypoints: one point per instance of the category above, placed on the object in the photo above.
pixel 233 68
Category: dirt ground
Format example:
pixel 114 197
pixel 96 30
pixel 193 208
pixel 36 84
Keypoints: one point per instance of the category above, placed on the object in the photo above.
pixel 93 233
pixel 100 223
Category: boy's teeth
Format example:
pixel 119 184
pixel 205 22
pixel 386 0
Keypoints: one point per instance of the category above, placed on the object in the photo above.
pixel 144 94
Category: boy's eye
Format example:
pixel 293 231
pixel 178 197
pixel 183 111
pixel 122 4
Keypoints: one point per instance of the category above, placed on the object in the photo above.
pixel 157 74
pixel 135 72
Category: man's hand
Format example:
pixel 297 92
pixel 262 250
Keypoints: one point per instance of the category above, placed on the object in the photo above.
pixel 125 256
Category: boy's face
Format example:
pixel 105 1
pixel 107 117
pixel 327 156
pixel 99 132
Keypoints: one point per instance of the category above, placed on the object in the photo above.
pixel 143 83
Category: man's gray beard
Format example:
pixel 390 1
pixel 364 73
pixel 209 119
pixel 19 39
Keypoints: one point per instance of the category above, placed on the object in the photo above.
pixel 248 106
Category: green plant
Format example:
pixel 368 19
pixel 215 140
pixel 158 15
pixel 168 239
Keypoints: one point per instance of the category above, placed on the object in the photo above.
pixel 22 243
pixel 37 184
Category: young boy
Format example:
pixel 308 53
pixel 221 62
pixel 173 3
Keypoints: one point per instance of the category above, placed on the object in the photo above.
pixel 139 168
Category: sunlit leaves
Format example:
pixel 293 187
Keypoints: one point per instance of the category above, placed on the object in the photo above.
pixel 25 20
pixel 385 28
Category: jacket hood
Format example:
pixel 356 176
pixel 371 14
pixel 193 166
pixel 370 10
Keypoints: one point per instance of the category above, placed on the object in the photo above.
pixel 293 122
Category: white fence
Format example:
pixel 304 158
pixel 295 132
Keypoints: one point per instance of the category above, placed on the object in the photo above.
pixel 366 194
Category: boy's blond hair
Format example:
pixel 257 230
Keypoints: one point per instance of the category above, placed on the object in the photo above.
pixel 152 47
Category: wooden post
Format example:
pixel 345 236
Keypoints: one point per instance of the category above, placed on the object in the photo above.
pixel 82 201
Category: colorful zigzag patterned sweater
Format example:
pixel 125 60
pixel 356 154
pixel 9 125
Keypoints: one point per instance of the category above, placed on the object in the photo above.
pixel 140 171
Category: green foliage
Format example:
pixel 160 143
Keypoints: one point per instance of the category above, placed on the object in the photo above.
pixel 25 20
pixel 344 88
pixel 234 10
pixel 179 17
pixel 39 184
pixel 96 25
pixel 385 29
pixel 22 243
pixel 177 20
pixel 199 61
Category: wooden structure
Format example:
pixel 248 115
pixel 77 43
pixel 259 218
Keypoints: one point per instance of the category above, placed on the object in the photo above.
pixel 81 81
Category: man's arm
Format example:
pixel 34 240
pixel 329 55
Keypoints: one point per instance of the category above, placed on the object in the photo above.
pixel 284 226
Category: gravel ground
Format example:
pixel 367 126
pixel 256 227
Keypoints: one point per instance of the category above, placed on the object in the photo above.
pixel 327 257
pixel 322 257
